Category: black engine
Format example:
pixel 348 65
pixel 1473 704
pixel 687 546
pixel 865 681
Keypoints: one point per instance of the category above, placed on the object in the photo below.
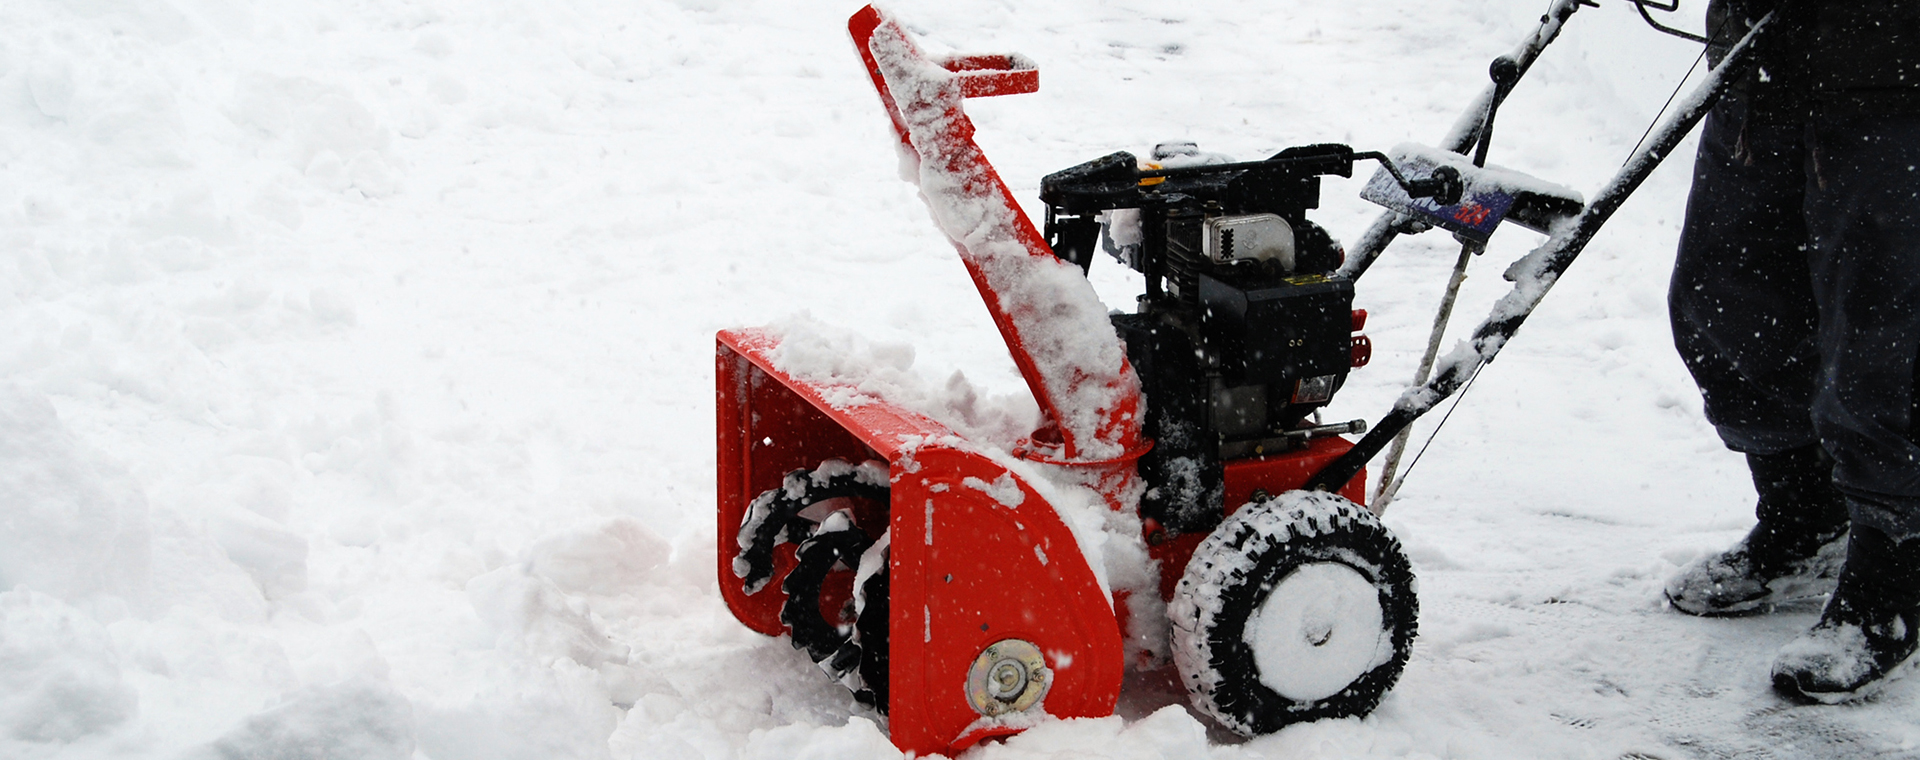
pixel 1244 329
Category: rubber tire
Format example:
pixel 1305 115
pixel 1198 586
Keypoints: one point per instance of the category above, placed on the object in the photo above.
pixel 1237 567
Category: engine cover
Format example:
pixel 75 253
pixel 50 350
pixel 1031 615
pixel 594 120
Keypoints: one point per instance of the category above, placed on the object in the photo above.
pixel 1294 329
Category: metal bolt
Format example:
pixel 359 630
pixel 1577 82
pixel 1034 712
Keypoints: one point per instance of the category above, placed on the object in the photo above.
pixel 1009 680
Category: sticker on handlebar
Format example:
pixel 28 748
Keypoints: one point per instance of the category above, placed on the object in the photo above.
pixel 1476 215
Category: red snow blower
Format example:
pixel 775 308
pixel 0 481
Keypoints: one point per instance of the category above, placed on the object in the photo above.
pixel 942 580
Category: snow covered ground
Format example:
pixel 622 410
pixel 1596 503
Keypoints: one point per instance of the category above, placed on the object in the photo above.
pixel 356 371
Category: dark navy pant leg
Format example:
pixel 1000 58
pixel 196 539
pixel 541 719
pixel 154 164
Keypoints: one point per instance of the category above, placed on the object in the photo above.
pixel 1863 219
pixel 1741 299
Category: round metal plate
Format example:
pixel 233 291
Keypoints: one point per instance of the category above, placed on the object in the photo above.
pixel 1009 676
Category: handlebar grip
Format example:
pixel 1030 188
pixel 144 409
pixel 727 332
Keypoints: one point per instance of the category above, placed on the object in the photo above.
pixel 984 76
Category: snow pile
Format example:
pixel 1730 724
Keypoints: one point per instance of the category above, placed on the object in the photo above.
pixel 532 611
pixel 74 526
pixel 860 737
pixel 860 371
pixel 272 555
pixel 358 719
pixel 573 677
pixel 60 678
pixel 544 604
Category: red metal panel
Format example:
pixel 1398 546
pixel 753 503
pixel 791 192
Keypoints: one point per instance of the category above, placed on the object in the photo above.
pixel 765 431
pixel 935 126
pixel 1286 472
pixel 1274 474
pixel 770 424
pixel 881 426
pixel 986 76
pixel 970 571
pixel 967 570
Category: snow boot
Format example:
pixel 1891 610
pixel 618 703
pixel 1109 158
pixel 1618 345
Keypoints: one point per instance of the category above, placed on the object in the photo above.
pixel 1794 552
pixel 1869 631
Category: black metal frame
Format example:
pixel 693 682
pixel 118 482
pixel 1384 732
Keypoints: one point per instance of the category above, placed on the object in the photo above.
pixel 1290 180
pixel 1535 274
pixel 1643 5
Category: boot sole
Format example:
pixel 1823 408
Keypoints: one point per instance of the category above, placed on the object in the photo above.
pixel 1789 688
pixel 1795 592
pixel 1818 579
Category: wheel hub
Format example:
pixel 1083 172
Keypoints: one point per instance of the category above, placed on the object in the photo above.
pixel 1320 628
pixel 1009 676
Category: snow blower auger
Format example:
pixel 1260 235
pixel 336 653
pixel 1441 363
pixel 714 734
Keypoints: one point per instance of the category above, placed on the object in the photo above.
pixel 937 577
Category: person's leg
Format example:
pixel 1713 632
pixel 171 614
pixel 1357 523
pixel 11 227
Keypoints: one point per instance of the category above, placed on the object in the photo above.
pixel 1744 321
pixel 1863 216
pixel 1741 299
